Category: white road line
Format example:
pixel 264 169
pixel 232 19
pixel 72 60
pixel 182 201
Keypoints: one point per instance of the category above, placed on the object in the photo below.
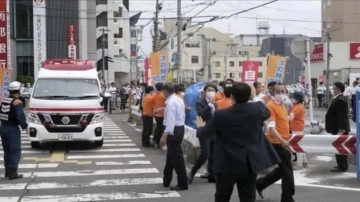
pixel 328 187
pixel 9 199
pixel 72 157
pixel 113 163
pixel 102 196
pixel 41 165
pixel 115 137
pixel 119 145
pixel 91 172
pixel 121 140
pixel 114 134
pixel 95 183
pixel 105 150
pixel 30 151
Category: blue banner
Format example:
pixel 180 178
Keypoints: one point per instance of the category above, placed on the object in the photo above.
pixel 192 95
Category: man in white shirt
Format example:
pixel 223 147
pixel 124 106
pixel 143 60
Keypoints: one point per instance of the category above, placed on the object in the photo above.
pixel 174 122
pixel 320 91
pixel 258 90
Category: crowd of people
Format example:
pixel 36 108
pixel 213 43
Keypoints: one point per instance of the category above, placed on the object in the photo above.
pixel 242 130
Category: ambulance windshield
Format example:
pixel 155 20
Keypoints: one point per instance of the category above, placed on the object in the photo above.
pixel 66 89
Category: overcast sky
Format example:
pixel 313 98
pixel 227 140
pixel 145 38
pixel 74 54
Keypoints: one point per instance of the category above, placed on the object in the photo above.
pixel 293 16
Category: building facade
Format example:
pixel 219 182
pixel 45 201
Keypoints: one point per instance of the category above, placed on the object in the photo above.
pixel 341 20
pixel 51 29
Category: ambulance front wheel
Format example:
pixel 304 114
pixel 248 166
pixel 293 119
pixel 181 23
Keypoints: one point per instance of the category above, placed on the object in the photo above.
pixel 35 145
pixel 99 143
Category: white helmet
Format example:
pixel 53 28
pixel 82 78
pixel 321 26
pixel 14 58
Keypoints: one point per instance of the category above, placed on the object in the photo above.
pixel 15 85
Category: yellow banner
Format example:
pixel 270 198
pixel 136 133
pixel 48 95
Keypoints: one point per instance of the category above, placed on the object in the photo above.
pixel 4 82
pixel 275 69
pixel 159 66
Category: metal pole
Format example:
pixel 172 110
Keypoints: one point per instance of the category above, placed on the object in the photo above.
pixel 156 25
pixel 328 68
pixel 209 61
pixel 103 56
pixel 179 28
pixel 309 78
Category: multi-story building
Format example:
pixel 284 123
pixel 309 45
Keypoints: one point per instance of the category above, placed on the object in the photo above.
pixel 208 54
pixel 112 23
pixel 341 20
pixel 50 29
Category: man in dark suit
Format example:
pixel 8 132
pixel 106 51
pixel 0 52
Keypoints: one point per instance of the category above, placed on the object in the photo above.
pixel 337 121
pixel 241 148
pixel 205 108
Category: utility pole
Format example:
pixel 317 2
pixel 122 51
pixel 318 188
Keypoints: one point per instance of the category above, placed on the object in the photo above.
pixel 179 28
pixel 327 67
pixel 156 27
pixel 209 59
pixel 103 55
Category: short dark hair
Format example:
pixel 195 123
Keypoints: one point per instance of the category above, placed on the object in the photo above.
pixel 256 84
pixel 222 84
pixel 241 92
pixel 168 87
pixel 179 88
pixel 227 92
pixel 148 89
pixel 231 80
pixel 159 86
pixel 271 83
pixel 340 86
pixel 210 85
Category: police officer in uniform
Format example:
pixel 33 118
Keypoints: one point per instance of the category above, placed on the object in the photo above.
pixel 12 115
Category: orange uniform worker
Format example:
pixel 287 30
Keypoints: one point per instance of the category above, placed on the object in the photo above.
pixel 147 116
pixel 220 94
pixel 159 106
pixel 225 102
pixel 278 135
pixel 297 120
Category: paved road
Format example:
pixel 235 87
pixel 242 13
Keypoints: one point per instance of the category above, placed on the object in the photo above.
pixel 123 171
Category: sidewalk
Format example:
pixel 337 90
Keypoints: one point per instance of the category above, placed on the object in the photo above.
pixel 319 115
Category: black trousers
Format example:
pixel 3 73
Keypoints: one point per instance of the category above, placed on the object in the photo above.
pixel 245 184
pixel 159 129
pixel 175 159
pixel 207 146
pixel 284 171
pixel 342 161
pixel 147 129
pixel 320 99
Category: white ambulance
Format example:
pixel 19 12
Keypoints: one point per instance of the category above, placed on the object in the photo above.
pixel 65 103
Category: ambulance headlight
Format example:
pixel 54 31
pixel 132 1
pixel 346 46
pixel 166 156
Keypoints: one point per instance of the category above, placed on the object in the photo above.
pixel 98 117
pixel 33 118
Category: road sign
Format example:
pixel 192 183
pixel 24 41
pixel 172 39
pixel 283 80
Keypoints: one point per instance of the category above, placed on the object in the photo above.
pixel 298 47
pixel 358 135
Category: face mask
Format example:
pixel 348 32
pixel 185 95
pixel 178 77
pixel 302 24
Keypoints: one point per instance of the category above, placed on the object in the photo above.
pixel 280 97
pixel 210 95
pixel 182 94
pixel 293 100
pixel 220 89
pixel 332 92
pixel 228 85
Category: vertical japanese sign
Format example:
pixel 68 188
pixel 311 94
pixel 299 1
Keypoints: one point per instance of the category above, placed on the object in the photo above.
pixel 275 68
pixel 72 42
pixel 39 34
pixel 159 61
pixel 4 82
pixel 147 70
pixel 163 68
pixel 358 135
pixel 3 35
pixel 250 71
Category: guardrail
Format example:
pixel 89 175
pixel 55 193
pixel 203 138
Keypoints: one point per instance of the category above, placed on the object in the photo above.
pixel 190 133
pixel 308 143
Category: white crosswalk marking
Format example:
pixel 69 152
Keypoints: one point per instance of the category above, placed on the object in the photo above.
pixel 119 162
